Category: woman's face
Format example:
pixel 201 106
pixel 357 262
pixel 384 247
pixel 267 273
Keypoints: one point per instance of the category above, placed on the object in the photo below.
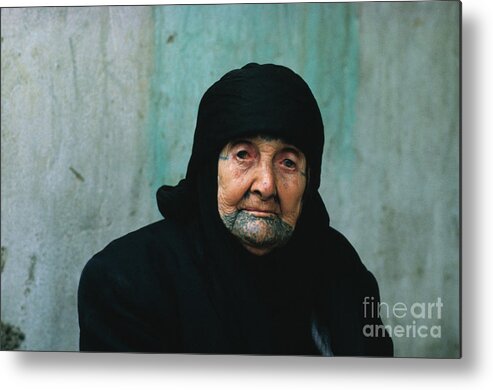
pixel 261 182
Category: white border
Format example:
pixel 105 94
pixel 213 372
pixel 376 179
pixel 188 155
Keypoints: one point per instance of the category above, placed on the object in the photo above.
pixel 109 371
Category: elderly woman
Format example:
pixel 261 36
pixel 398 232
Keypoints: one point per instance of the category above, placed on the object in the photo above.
pixel 244 261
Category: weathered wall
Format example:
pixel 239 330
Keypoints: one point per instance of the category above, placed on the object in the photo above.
pixel 397 183
pixel 75 98
pixel 98 110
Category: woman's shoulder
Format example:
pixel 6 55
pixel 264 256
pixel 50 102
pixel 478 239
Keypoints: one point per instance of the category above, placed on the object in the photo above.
pixel 137 256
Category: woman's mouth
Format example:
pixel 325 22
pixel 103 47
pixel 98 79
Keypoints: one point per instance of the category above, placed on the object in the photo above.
pixel 262 213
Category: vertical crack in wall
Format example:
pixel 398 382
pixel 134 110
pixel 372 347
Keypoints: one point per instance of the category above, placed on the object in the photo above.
pixel 155 127
pixel 3 258
pixel 30 274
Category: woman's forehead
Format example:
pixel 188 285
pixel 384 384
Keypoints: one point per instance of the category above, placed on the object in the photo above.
pixel 261 140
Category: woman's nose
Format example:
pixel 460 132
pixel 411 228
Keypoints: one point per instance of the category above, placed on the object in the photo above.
pixel 264 182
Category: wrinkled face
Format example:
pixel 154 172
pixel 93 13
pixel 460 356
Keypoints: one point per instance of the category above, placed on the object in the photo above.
pixel 261 182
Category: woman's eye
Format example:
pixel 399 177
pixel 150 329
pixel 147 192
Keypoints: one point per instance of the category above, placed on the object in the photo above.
pixel 289 163
pixel 242 154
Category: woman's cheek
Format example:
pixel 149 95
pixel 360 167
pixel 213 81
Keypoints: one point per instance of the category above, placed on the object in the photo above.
pixel 223 205
pixel 291 199
pixel 233 184
pixel 229 196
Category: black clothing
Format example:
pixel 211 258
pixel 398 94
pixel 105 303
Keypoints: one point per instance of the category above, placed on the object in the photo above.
pixel 148 292
pixel 186 284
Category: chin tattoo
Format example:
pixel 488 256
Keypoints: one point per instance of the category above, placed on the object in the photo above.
pixel 258 232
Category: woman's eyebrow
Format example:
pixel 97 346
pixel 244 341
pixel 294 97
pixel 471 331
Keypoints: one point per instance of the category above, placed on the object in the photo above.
pixel 239 141
pixel 293 150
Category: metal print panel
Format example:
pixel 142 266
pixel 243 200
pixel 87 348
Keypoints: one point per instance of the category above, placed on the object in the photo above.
pixel 320 214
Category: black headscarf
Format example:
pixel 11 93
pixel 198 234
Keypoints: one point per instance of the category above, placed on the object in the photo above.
pixel 264 300
pixel 256 99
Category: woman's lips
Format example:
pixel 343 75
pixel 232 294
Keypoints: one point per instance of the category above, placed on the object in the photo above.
pixel 260 212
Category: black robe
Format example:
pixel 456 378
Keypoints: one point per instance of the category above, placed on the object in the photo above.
pixel 149 291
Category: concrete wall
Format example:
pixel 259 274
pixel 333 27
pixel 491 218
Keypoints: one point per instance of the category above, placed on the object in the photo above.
pixel 99 107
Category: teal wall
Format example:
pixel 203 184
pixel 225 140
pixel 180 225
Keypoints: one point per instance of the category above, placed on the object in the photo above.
pixel 99 108
pixel 320 42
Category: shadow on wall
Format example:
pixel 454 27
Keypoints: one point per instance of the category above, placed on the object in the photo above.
pixel 11 337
